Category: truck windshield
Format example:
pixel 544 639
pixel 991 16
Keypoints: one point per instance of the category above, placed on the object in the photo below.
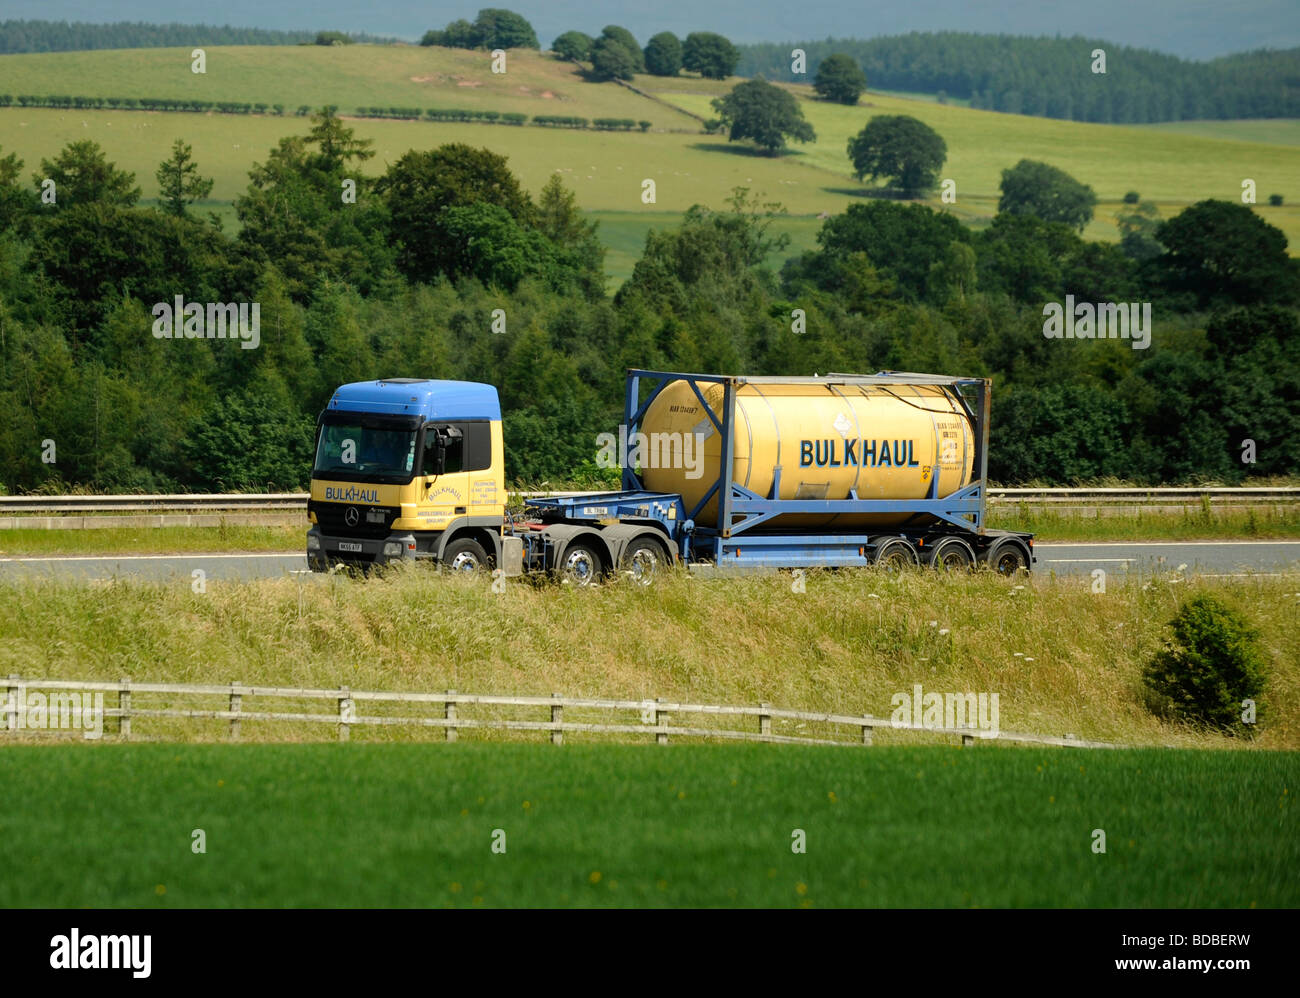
pixel 354 451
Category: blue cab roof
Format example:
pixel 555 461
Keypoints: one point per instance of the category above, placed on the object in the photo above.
pixel 434 400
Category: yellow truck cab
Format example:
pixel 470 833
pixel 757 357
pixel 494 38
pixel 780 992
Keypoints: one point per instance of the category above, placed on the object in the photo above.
pixel 408 468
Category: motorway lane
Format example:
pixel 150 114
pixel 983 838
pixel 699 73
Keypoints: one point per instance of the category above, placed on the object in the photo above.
pixel 1210 558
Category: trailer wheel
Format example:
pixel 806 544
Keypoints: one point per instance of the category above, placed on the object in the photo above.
pixel 895 554
pixel 951 554
pixel 645 560
pixel 464 555
pixel 582 565
pixel 1008 558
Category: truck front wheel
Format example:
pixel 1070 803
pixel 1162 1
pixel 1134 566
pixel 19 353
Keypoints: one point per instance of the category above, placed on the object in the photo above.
pixel 464 555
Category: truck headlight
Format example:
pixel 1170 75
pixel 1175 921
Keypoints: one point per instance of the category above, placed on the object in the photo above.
pixel 313 542
pixel 392 549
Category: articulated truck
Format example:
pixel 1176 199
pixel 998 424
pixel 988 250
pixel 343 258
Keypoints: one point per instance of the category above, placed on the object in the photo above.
pixel 718 473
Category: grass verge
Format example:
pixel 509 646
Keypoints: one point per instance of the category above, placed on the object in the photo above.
pixel 1062 658
pixel 621 826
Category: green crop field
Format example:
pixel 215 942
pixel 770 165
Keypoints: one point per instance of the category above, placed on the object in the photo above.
pixel 1274 131
pixel 611 826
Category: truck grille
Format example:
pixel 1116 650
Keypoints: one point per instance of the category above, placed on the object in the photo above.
pixel 371 521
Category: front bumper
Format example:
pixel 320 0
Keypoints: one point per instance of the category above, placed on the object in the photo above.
pixel 324 551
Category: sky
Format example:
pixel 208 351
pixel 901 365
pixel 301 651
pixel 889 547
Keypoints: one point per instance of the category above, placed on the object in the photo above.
pixel 1195 29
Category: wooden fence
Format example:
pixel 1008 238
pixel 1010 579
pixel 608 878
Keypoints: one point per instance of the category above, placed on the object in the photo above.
pixel 650 718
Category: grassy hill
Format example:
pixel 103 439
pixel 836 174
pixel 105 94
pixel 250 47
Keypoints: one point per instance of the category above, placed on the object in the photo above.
pixel 1172 165
pixel 349 76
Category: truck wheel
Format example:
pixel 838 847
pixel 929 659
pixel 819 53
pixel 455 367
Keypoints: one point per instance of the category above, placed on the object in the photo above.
pixel 645 560
pixel 1008 558
pixel 582 565
pixel 951 554
pixel 895 554
pixel 464 555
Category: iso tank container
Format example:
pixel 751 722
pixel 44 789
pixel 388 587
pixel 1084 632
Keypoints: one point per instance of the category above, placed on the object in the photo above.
pixel 878 441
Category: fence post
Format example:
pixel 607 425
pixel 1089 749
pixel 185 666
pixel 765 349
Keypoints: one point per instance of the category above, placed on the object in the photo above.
pixel 345 714
pixel 124 705
pixel 12 692
pixel 449 712
pixel 661 721
pixel 557 717
pixel 867 729
pixel 764 719
pixel 236 704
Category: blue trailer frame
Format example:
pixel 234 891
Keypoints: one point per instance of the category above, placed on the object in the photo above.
pixel 733 540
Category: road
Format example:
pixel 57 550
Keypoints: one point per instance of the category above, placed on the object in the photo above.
pixel 1209 558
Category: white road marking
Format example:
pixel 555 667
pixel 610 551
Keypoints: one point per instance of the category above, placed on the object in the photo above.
pixel 1089 561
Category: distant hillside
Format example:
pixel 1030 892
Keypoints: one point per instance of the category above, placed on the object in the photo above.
pixel 1053 77
pixel 77 36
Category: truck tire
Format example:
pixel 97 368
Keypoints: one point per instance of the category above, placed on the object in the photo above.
pixel 894 554
pixel 951 554
pixel 464 555
pixel 1007 557
pixel 645 560
pixel 582 565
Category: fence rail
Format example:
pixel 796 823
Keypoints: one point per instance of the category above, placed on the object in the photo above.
pixel 184 502
pixel 653 716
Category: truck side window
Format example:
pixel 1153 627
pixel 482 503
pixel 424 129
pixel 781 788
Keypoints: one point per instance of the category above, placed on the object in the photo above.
pixel 454 460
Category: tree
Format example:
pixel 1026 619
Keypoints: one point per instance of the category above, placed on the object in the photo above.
pixel 663 55
pixel 82 175
pixel 840 78
pixel 17 203
pixel 903 150
pixel 710 55
pixel 625 38
pixel 486 242
pixel 294 212
pixel 459 34
pixel 1033 188
pixel 179 183
pixel 1137 229
pixel 422 184
pixel 504 29
pixel 903 242
pixel 561 221
pixel 338 144
pixel 765 113
pixel 611 60
pixel 573 45
pixel 1224 251
pixel 332 38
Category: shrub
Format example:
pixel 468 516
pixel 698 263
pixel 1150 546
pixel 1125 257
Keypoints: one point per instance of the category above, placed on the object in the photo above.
pixel 1210 666
pixel 1275 200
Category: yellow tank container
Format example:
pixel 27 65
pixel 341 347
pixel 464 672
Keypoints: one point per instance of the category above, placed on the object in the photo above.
pixel 885 442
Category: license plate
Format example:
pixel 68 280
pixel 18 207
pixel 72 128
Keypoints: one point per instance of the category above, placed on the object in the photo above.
pixel 350 546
